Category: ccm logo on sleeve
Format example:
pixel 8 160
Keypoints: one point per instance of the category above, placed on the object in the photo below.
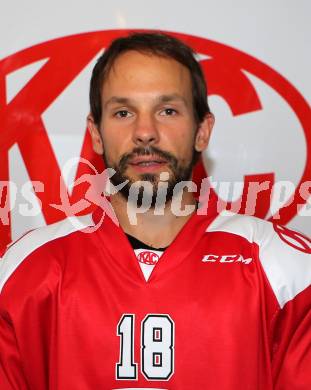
pixel 226 259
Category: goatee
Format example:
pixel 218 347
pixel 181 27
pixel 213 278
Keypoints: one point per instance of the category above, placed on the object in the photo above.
pixel 159 193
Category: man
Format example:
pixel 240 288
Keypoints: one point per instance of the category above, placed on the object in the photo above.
pixel 172 299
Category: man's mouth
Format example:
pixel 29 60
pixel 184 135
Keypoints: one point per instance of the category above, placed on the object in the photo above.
pixel 147 161
pixel 152 162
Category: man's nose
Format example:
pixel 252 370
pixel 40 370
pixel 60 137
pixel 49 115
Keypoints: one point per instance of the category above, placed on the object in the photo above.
pixel 145 131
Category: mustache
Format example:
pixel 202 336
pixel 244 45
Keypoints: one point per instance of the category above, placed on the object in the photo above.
pixel 147 151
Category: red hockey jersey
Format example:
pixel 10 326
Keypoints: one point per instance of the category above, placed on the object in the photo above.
pixel 226 307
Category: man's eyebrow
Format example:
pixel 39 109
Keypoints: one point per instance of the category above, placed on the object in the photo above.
pixel 161 99
pixel 172 97
pixel 117 99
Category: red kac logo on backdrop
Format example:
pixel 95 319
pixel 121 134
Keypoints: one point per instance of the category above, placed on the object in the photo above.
pixel 21 119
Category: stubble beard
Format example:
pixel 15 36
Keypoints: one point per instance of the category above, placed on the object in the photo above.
pixel 178 172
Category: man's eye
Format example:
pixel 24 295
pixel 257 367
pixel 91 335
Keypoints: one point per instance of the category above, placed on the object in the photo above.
pixel 168 111
pixel 122 114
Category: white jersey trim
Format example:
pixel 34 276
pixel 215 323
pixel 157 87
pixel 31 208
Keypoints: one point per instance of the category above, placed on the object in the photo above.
pixel 287 269
pixel 22 248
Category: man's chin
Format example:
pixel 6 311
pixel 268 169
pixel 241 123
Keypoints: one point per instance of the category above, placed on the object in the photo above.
pixel 152 177
pixel 144 190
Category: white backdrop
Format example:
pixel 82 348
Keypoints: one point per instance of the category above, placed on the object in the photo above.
pixel 276 33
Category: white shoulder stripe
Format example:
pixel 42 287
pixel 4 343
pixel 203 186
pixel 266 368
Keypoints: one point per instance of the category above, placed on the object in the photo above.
pixel 287 269
pixel 18 252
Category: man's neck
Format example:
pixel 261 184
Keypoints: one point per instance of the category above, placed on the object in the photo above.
pixel 154 230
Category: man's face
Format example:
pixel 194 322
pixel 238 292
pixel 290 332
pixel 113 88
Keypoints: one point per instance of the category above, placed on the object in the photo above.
pixel 148 124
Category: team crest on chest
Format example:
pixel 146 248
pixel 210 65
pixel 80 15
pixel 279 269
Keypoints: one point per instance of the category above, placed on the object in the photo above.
pixel 148 257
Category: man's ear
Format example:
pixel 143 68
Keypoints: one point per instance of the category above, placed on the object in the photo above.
pixel 204 132
pixel 97 141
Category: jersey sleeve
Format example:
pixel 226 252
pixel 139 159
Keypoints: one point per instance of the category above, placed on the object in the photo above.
pixel 291 361
pixel 286 258
pixel 11 370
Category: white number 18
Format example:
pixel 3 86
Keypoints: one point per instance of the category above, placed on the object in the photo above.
pixel 157 347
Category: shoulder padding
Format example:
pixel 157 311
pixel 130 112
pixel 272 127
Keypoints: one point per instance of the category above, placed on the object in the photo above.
pixel 285 255
pixel 22 248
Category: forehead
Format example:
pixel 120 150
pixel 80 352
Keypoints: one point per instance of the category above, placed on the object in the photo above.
pixel 134 72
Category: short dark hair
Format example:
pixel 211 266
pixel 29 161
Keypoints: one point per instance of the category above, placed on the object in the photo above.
pixel 155 43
